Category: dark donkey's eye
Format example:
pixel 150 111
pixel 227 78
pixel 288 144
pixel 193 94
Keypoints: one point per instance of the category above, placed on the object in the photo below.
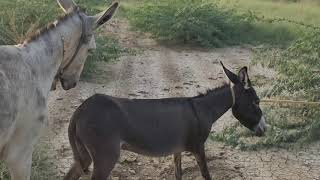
pixel 256 102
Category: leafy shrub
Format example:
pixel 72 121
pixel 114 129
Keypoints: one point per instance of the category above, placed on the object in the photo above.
pixel 108 49
pixel 202 23
pixel 298 65
pixel 189 21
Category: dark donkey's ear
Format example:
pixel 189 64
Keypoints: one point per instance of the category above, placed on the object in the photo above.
pixel 233 77
pixel 105 16
pixel 66 5
pixel 244 77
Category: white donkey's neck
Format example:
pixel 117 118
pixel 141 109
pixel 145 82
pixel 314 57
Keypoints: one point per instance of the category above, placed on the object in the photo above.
pixel 52 49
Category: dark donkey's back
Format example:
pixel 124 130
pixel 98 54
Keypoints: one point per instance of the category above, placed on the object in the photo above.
pixel 104 124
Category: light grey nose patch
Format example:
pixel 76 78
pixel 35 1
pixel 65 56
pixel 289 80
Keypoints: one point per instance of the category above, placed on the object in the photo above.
pixel 261 128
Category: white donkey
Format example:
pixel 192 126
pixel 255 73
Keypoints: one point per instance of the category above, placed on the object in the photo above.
pixel 27 73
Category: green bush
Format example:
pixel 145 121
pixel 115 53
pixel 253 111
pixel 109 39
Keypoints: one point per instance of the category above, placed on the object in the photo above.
pixel 108 49
pixel 298 65
pixel 203 23
pixel 188 21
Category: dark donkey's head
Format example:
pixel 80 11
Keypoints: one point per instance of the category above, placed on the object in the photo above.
pixel 246 102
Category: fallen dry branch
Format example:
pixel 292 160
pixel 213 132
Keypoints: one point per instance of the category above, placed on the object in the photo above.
pixel 278 101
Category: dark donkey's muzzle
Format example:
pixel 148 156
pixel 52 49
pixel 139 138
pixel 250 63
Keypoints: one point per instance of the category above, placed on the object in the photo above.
pixel 261 127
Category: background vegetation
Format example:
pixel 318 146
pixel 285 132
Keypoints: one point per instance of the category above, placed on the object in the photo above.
pixel 285 34
pixel 204 23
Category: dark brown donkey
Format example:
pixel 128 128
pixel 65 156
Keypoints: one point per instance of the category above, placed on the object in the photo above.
pixel 103 125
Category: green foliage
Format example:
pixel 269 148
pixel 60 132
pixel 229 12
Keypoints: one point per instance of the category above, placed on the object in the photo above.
pixel 20 18
pixel 94 6
pixel 306 11
pixel 203 23
pixel 187 21
pixel 108 49
pixel 298 65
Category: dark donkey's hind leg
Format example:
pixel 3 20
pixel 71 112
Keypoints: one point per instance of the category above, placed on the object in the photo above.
pixel 202 162
pixel 80 164
pixel 82 159
pixel 105 154
pixel 177 165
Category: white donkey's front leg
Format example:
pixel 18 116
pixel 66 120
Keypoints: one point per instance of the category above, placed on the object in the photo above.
pixel 19 148
pixel 19 159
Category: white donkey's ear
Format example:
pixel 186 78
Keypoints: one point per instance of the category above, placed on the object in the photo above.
pixel 67 5
pixel 105 16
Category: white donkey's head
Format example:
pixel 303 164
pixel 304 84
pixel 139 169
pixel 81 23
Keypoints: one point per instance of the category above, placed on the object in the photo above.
pixel 75 53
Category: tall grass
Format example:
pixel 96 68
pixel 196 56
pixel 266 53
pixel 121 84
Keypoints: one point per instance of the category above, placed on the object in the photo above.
pixel 302 11
pixel 20 18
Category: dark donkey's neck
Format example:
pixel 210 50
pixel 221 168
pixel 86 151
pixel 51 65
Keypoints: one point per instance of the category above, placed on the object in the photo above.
pixel 211 106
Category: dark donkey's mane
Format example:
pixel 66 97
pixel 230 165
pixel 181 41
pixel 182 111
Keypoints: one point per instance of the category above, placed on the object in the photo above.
pixel 212 91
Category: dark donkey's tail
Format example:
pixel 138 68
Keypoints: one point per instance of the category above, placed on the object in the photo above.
pixel 82 159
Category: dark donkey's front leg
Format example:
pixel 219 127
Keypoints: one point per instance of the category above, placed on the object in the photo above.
pixel 177 165
pixel 202 162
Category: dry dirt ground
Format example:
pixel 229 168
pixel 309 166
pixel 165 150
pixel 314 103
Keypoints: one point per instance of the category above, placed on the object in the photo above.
pixel 158 72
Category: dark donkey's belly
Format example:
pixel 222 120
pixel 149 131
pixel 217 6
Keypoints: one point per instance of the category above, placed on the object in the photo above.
pixel 157 129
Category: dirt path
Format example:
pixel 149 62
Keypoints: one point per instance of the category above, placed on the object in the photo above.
pixel 167 72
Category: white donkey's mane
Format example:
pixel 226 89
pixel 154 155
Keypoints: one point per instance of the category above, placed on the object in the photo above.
pixel 36 34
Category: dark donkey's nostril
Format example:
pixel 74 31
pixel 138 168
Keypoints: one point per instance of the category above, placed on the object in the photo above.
pixel 259 132
pixel 264 128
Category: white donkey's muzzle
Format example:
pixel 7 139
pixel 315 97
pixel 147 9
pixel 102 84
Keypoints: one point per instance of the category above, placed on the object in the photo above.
pixel 261 128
